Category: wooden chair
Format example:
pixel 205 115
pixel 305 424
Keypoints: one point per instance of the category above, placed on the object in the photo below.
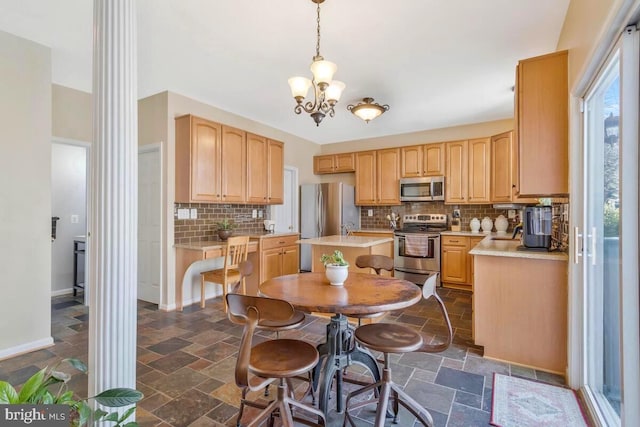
pixel 395 338
pixel 279 359
pixel 377 263
pixel 237 249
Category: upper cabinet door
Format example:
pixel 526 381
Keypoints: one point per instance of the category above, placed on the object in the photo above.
pixel 275 172
pixel 411 161
pixel 456 178
pixel 234 164
pixel 323 164
pixel 542 125
pixel 197 160
pixel 345 162
pixel 433 160
pixel 257 165
pixel 479 170
pixel 388 176
pixel 366 178
pixel 501 155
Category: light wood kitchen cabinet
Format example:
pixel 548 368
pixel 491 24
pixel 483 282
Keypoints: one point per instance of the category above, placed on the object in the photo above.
pixel 276 256
pixel 456 172
pixel 377 177
pixel 388 176
pixel 454 262
pixel 334 163
pixel 457 264
pixel 275 172
pixel 479 151
pixel 501 167
pixel 433 160
pixel 422 160
pixel 233 165
pixel 197 160
pixel 468 173
pixel 542 125
pixel 265 168
pixel 366 178
pixel 365 233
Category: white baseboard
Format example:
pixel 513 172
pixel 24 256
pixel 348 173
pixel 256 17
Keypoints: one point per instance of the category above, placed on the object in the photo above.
pixel 59 292
pixel 26 348
pixel 167 307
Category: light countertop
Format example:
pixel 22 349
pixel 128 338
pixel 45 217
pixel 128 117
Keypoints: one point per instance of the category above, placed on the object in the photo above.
pixel 374 230
pixel 508 248
pixel 266 234
pixel 352 241
pixel 207 245
pixel 464 233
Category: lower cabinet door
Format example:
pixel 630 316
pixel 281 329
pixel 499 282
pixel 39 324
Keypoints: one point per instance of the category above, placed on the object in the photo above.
pixel 454 264
pixel 271 263
pixel 290 260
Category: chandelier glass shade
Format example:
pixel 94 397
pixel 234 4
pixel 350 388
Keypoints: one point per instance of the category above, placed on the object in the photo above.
pixel 367 110
pixel 326 91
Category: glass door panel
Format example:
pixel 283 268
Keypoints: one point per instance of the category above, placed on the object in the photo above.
pixel 602 225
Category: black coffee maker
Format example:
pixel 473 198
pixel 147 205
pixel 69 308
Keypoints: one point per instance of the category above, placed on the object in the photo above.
pixel 537 226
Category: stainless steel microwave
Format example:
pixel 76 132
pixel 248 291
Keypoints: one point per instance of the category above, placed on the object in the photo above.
pixel 426 189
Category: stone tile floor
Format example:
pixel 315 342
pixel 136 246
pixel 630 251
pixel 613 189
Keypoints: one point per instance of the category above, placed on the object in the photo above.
pixel 186 363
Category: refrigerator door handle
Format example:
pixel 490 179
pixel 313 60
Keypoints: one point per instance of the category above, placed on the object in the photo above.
pixel 320 212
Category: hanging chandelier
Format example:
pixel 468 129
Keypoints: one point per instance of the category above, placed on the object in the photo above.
pixel 367 110
pixel 326 91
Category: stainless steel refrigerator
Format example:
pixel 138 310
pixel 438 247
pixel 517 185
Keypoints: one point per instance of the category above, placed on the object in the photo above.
pixel 325 210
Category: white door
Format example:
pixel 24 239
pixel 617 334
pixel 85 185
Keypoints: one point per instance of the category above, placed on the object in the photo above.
pixel 610 230
pixel 149 208
pixel 286 214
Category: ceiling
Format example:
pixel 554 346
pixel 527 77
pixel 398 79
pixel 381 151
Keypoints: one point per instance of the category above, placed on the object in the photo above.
pixel 436 63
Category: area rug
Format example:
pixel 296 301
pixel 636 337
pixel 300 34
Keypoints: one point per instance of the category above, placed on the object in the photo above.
pixel 518 402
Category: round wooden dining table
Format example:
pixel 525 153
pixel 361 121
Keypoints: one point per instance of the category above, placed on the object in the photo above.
pixel 362 294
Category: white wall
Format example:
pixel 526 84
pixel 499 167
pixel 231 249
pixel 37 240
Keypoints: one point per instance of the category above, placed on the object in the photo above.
pixel 68 198
pixel 25 195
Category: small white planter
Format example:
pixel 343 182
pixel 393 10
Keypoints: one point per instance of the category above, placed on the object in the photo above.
pixel 337 274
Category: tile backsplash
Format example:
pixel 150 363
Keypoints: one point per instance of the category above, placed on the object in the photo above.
pixel 204 227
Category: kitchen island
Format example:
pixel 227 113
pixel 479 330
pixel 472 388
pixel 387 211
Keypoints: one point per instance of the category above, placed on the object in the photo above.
pixel 520 304
pixel 350 246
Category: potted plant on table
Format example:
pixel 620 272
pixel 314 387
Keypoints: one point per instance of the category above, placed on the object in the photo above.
pixel 336 267
pixel 225 228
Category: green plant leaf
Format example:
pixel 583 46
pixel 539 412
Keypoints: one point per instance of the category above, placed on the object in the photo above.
pixel 111 417
pixel 84 411
pixel 31 386
pixel 8 394
pixel 77 364
pixel 126 415
pixel 131 424
pixel 117 397
pixel 60 376
pixel 99 414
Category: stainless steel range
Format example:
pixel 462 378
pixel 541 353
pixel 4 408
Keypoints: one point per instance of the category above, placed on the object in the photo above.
pixel 417 247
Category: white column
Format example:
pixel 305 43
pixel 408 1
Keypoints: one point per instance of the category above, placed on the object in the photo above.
pixel 114 202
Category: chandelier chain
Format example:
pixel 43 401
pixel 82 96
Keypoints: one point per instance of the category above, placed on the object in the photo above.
pixel 318 31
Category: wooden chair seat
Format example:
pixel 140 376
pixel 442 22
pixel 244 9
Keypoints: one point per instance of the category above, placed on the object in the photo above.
pixel 389 338
pixel 282 358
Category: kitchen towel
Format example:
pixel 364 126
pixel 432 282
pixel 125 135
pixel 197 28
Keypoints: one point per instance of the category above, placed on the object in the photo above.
pixel 416 245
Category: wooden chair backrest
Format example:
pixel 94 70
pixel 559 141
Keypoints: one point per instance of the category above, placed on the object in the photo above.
pixel 428 291
pixel 237 250
pixel 252 309
pixel 377 262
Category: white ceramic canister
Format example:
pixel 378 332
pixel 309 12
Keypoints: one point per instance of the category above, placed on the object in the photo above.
pixel 487 224
pixel 475 225
pixel 502 224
